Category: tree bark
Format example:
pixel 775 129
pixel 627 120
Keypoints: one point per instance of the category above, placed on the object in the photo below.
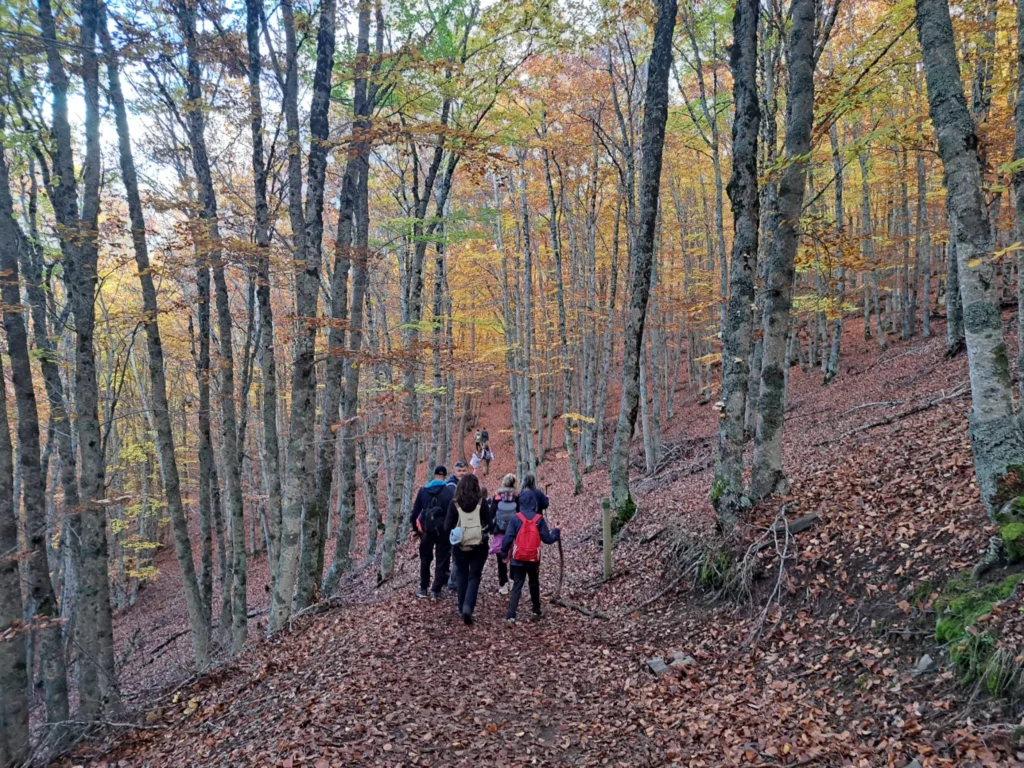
pixel 14 677
pixel 996 438
pixel 563 337
pixel 737 332
pixel 360 212
pixel 210 249
pixel 652 146
pixel 97 682
pixel 42 601
pixel 299 479
pixel 268 368
pixel 768 476
pixel 198 614
pixel 832 367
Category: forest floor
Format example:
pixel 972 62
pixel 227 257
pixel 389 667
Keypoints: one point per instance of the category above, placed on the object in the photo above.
pixel 822 675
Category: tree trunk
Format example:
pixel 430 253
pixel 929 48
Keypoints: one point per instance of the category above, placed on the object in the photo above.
pixel 268 368
pixel 563 337
pixel 832 367
pixel 198 614
pixel 97 682
pixel 210 247
pixel 727 489
pixel 362 106
pixel 42 601
pixel 652 146
pixel 299 479
pixel 995 435
pixel 768 476
pixel 14 676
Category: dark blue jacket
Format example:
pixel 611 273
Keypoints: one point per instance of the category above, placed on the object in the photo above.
pixel 433 488
pixel 547 535
pixel 532 500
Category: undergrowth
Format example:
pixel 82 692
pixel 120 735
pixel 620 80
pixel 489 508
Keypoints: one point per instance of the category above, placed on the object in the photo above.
pixel 973 650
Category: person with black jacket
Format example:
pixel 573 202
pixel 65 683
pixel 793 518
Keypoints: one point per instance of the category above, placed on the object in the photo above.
pixel 471 516
pixel 532 503
pixel 428 522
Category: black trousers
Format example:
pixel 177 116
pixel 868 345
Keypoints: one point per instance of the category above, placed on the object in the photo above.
pixel 434 546
pixel 502 570
pixel 520 573
pixel 470 566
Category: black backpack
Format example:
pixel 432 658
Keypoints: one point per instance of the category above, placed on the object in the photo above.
pixel 507 506
pixel 433 515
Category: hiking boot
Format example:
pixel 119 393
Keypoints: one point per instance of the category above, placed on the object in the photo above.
pixel 467 618
pixel 504 590
pixel 537 616
pixel 511 621
pixel 421 593
pixel 435 595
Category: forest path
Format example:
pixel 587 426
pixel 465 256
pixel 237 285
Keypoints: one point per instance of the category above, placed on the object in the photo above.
pixel 384 679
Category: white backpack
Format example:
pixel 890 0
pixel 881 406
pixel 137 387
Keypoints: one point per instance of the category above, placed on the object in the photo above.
pixel 472 530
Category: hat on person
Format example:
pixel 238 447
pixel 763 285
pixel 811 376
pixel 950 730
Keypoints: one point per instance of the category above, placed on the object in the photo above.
pixel 440 470
pixel 460 465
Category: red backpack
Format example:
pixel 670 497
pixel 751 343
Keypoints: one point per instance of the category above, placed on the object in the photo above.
pixel 527 545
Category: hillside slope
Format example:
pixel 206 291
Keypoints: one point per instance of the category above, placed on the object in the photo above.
pixel 823 675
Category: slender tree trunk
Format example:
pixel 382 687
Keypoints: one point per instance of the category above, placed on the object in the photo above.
pixel 42 601
pixel 995 434
pixel 832 367
pixel 727 489
pixel 14 676
pixel 199 618
pixel 210 247
pixel 563 336
pixel 299 481
pixel 768 476
pixel 268 368
pixel 652 146
pixel 362 105
pixel 97 681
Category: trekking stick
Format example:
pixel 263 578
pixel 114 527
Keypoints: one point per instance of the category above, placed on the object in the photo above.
pixel 561 561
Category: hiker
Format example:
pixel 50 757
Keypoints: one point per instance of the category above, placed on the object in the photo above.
pixel 428 522
pixel 521 546
pixel 457 474
pixel 506 505
pixel 453 481
pixel 470 519
pixel 483 451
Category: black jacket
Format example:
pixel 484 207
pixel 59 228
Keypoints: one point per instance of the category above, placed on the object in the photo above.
pixel 433 488
pixel 486 519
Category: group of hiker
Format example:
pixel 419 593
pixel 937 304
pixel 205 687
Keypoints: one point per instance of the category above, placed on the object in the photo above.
pixel 459 526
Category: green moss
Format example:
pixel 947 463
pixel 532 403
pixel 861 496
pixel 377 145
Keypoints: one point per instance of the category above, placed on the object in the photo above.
pixel 962 603
pixel 959 606
pixel 1013 538
pixel 623 515
pixel 717 489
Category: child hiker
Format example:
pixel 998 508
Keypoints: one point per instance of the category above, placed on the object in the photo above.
pixel 520 546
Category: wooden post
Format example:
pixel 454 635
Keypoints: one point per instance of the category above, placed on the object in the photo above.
pixel 606 527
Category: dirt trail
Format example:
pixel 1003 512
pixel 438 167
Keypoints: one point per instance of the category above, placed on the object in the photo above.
pixel 387 680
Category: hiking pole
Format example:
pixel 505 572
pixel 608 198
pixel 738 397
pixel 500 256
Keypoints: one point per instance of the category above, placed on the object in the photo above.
pixel 561 561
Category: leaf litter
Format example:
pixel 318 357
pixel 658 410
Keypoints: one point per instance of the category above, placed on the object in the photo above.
pixel 822 675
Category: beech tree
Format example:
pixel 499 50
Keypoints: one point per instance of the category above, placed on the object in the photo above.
pixel 651 146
